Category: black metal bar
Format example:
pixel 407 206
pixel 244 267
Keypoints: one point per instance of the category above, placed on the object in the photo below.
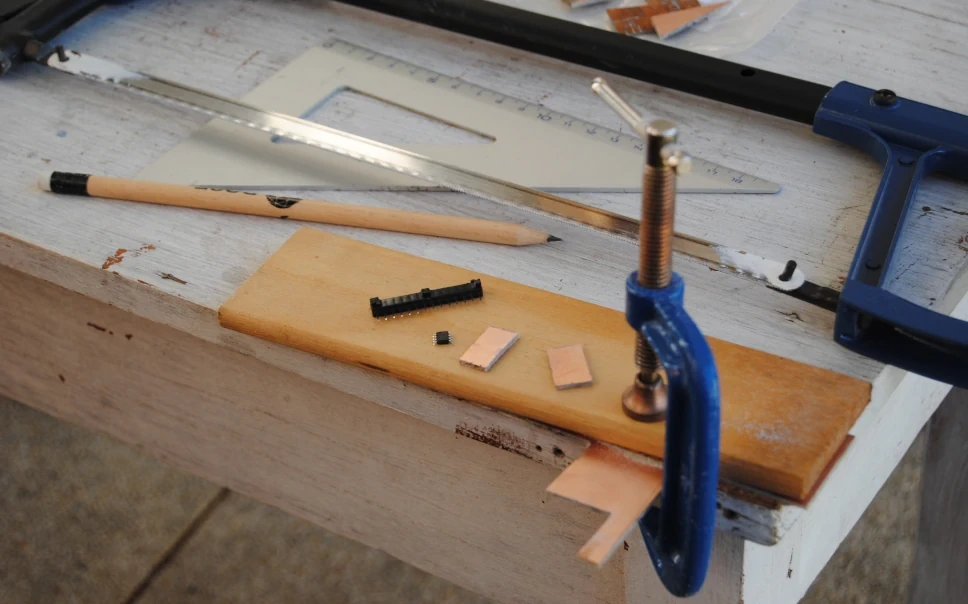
pixel 666 66
pixel 818 295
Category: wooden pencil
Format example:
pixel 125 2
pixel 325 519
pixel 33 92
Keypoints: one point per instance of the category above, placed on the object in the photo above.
pixel 310 210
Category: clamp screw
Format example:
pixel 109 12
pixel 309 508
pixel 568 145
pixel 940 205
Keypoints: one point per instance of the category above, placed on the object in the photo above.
pixel 884 98
pixel 647 398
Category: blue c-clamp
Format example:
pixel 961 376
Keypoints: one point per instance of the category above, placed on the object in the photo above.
pixel 679 534
pixel 912 141
pixel 677 379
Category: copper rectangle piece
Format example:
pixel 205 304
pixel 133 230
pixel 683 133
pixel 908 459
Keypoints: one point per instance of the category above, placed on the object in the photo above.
pixel 488 348
pixel 669 24
pixel 569 367
pixel 638 19
pixel 607 480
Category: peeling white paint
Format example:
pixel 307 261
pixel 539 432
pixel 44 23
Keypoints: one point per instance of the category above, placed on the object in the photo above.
pixel 92 67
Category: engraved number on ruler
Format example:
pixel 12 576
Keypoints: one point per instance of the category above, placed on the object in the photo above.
pixel 543 114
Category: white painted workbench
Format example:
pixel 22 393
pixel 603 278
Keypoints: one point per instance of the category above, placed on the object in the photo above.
pixel 377 459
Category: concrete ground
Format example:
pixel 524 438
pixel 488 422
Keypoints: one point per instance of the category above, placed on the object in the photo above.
pixel 86 519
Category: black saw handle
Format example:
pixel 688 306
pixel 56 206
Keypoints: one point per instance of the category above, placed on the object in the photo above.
pixel 24 34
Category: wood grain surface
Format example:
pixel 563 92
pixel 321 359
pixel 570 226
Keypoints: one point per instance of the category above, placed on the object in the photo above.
pixel 313 295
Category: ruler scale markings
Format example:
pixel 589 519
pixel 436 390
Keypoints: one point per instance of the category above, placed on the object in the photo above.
pixel 547 116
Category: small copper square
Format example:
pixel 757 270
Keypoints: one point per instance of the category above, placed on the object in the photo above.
pixel 569 367
pixel 634 20
pixel 488 348
pixel 669 24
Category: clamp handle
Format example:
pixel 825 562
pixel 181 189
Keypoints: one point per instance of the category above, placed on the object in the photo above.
pixel 679 534
pixel 912 141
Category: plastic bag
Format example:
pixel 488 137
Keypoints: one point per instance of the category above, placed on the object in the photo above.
pixel 729 30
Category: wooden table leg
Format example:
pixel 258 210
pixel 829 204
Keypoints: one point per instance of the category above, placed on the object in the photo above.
pixel 940 573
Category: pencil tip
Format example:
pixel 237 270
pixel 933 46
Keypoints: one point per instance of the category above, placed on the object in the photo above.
pixel 553 238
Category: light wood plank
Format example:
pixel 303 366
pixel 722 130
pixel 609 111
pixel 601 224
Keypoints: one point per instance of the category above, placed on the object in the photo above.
pixel 313 295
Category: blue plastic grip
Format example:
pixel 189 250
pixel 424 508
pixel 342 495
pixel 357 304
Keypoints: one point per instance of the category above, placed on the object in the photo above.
pixel 679 534
pixel 911 140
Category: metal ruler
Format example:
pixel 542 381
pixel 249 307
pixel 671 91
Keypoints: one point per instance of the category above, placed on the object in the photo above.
pixel 775 274
pixel 528 144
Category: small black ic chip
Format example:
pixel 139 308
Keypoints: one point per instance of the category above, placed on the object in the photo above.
pixel 442 337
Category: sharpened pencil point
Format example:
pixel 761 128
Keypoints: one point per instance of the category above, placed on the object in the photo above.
pixel 553 238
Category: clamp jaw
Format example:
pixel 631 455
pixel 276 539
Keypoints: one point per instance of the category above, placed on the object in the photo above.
pixel 677 379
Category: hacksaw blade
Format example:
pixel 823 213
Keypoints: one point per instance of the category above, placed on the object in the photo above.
pixel 400 160
pixel 526 142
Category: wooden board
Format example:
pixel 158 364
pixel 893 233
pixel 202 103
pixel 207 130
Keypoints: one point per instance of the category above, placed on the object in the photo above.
pixel 782 420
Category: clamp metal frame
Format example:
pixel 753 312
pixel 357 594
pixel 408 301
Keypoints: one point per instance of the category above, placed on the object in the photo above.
pixel 677 379
pixel 679 533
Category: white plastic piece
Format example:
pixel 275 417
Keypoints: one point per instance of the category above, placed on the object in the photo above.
pixel 759 267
